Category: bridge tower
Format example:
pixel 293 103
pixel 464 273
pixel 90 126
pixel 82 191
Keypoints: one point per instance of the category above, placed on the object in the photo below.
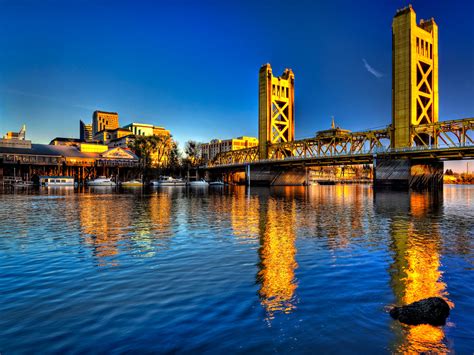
pixel 276 108
pixel 414 75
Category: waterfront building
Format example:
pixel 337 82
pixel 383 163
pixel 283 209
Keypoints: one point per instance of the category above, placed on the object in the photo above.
pixel 92 148
pixel 145 129
pixel 73 142
pixel 15 139
pixel 122 142
pixel 21 135
pixel 102 120
pixel 85 131
pixel 63 157
pixel 106 135
pixel 216 146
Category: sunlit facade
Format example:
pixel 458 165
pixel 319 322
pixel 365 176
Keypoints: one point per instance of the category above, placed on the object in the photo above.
pixel 145 129
pixel 102 120
pixel 216 146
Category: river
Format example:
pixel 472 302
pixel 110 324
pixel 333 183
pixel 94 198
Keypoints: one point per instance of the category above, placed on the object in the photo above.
pixel 267 270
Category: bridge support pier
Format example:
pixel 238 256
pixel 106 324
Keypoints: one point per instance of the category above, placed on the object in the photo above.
pixel 404 174
pixel 271 176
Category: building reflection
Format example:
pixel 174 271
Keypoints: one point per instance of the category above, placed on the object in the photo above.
pixel 110 223
pixel 101 226
pixel 151 224
pixel 415 271
pixel 277 254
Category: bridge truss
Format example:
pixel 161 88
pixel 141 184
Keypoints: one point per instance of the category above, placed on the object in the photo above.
pixel 338 144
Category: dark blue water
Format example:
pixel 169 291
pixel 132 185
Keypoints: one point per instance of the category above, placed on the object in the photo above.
pixel 263 270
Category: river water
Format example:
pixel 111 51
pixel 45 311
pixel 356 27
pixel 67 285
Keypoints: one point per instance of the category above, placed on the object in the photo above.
pixel 277 270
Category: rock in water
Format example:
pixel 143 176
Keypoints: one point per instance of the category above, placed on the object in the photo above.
pixel 433 310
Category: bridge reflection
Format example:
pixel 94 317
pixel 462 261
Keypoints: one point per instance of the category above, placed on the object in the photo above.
pixel 415 271
pixel 277 253
pixel 269 218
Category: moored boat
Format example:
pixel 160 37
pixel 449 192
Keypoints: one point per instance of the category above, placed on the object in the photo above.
pixel 17 182
pixel 168 181
pixel 132 183
pixel 101 181
pixel 198 183
pixel 56 180
pixel 216 183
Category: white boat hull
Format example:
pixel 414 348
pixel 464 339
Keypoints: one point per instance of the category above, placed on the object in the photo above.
pixel 216 183
pixel 108 183
pixel 51 184
pixel 168 183
pixel 198 183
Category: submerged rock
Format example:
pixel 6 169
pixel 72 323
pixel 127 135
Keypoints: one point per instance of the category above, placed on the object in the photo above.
pixel 433 310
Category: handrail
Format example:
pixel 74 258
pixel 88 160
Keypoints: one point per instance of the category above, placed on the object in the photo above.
pixel 374 151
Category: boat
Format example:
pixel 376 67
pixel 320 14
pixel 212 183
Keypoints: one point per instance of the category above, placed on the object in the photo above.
pixel 132 183
pixel 101 181
pixel 56 180
pixel 216 183
pixel 16 181
pixel 197 183
pixel 168 181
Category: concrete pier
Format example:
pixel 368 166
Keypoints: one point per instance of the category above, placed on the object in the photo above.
pixel 404 174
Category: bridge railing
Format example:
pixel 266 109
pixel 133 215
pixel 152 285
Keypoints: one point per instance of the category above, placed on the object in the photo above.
pixel 452 134
pixel 445 134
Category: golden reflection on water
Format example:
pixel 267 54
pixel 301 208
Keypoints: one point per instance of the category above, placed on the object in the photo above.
pixel 244 215
pixel 101 229
pixel 416 274
pixel 277 256
pixel 104 225
pixel 348 204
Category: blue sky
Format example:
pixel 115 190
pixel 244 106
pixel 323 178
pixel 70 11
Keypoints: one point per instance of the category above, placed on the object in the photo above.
pixel 192 66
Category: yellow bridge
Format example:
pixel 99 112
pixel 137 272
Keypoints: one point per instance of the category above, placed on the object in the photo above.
pixel 415 136
pixel 454 140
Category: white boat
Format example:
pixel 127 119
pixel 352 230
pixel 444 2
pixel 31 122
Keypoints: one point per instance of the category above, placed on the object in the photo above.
pixel 132 183
pixel 197 183
pixel 101 181
pixel 56 180
pixel 168 181
pixel 16 181
pixel 216 183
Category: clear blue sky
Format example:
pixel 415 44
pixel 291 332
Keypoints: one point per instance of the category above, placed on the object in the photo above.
pixel 192 66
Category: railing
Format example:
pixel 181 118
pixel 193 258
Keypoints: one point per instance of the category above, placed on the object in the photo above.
pixel 446 135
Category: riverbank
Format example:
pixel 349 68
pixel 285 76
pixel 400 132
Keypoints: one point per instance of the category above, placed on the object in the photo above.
pixel 459 179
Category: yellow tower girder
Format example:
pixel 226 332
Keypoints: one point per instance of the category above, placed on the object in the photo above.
pixel 276 108
pixel 415 76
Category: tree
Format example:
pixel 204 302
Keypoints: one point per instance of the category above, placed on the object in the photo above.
pixel 193 152
pixel 163 145
pixel 153 151
pixel 174 159
pixel 143 148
